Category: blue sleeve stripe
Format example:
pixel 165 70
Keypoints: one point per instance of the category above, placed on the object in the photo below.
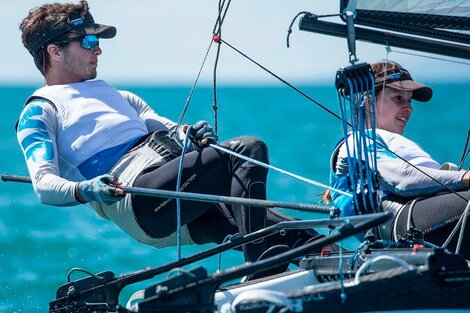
pixel 41 151
pixel 39 136
pixel 32 109
pixel 29 112
pixel 30 123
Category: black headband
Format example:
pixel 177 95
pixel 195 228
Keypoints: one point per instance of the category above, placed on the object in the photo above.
pixel 60 28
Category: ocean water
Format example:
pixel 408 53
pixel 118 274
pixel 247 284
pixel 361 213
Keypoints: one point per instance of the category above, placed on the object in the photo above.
pixel 39 244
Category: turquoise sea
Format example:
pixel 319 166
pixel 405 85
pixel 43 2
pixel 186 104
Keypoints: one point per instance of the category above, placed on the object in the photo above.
pixel 39 244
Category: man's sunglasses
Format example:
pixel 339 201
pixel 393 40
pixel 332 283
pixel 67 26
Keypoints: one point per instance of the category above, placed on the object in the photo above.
pixel 88 42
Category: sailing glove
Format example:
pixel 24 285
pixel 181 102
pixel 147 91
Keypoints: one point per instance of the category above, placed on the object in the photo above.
pixel 99 189
pixel 202 134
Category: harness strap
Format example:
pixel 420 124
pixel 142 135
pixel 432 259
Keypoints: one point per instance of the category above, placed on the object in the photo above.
pixel 334 155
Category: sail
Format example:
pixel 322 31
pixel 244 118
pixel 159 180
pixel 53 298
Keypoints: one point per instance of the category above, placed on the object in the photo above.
pixel 441 19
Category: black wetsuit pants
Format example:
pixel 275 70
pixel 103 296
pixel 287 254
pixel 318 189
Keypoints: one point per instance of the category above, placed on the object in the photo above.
pixel 211 171
pixel 436 217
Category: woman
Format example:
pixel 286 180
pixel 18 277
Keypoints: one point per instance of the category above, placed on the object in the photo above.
pixel 412 185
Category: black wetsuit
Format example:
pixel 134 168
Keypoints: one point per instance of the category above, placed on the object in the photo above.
pixel 211 171
pixel 436 217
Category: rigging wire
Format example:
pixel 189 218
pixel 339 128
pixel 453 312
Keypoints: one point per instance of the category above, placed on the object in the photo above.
pixel 178 189
pixel 268 166
pixel 337 116
pixel 191 91
pixel 462 220
pixel 214 81
pixel 462 229
pixel 217 33
pixel 220 19
pixel 281 79
pixel 219 40
pixel 217 25
pixel 430 57
pixel 355 87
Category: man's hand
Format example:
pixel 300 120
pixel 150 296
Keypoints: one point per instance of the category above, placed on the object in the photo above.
pixel 101 189
pixel 202 134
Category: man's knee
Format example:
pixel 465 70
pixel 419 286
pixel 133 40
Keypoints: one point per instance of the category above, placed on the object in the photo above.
pixel 250 146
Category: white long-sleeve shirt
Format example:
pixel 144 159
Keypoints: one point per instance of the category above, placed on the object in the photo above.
pixel 397 176
pixel 86 130
pixel 400 177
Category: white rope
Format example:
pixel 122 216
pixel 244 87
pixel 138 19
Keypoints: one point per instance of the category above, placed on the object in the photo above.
pixel 459 222
pixel 462 229
pixel 369 262
pixel 279 170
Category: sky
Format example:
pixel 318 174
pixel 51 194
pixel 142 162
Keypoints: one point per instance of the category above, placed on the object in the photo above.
pixel 164 42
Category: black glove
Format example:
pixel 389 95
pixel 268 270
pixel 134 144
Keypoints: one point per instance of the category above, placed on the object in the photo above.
pixel 202 134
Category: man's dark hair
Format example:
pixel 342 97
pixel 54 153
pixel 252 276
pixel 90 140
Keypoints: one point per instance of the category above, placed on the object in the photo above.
pixel 39 21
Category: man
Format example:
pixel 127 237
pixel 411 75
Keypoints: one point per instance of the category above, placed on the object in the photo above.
pixel 79 135
pixel 413 189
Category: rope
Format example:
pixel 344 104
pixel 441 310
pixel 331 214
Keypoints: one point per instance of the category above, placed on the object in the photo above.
pixel 289 30
pixel 226 239
pixel 281 79
pixel 336 115
pixel 310 15
pixel 268 166
pixel 178 189
pixel 430 57
pixel 454 231
pixel 191 91
pixel 216 38
pixel 462 229
pixel 220 19
pixel 214 106
pixel 216 32
pixel 343 294
pixel 355 88
pixel 218 24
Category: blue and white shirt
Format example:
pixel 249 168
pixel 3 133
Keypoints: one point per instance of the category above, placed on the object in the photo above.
pixel 90 126
pixel 397 176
